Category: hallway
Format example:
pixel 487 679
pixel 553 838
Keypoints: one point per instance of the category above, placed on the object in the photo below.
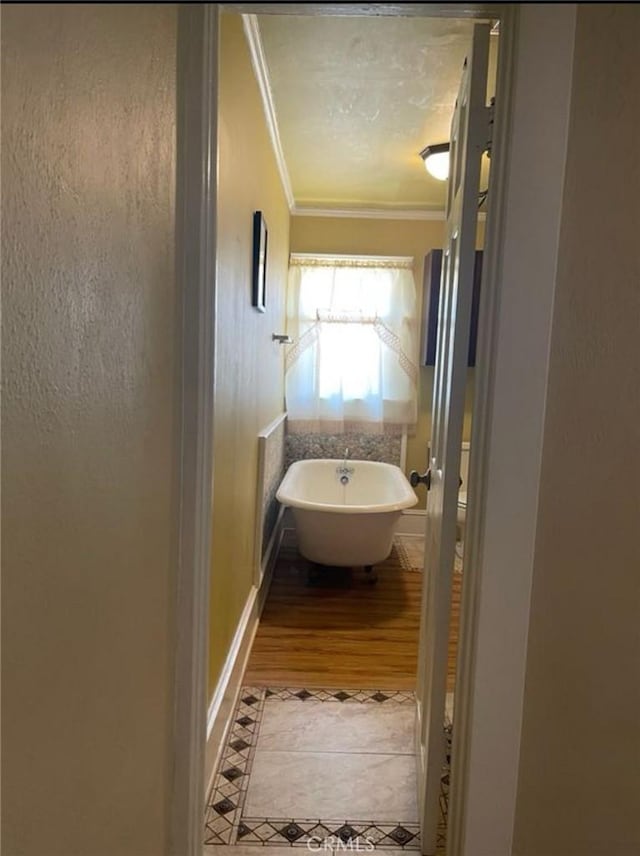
pixel 321 751
pixel 339 630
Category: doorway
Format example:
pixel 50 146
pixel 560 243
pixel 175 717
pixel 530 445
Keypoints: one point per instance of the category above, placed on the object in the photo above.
pixel 277 634
pixel 182 850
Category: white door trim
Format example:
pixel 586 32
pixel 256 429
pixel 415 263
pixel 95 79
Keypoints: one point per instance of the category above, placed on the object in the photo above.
pixel 197 68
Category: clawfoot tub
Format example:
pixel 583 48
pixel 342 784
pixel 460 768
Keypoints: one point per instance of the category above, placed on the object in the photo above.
pixel 345 512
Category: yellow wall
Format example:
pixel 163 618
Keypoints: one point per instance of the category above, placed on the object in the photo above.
pixel 579 775
pixel 386 237
pixel 89 359
pixel 249 366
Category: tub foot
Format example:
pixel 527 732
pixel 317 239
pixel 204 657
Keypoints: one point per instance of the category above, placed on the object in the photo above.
pixel 328 576
pixel 371 575
pixel 314 574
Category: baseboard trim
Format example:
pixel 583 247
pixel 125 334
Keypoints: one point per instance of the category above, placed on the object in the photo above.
pixel 412 522
pixel 225 697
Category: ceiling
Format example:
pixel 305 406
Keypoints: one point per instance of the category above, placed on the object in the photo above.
pixel 356 99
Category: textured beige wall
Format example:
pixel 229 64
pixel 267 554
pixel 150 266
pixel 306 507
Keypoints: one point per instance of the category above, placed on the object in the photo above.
pixel 249 366
pixel 89 350
pixel 580 752
pixel 395 238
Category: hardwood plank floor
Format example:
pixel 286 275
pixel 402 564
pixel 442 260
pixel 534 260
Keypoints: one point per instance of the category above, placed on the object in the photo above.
pixel 341 631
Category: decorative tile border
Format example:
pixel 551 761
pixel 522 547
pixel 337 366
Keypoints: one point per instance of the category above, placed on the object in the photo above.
pixel 339 695
pixel 441 835
pixel 224 806
pixel 314 833
pixel 224 820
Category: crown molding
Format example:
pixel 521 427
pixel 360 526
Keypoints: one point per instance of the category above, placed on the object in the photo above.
pixel 374 213
pixel 368 213
pixel 259 62
pixel 260 69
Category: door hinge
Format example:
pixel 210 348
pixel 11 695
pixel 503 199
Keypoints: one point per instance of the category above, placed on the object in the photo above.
pixel 488 144
pixel 491 110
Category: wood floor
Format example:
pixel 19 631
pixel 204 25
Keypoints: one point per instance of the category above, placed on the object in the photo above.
pixel 339 630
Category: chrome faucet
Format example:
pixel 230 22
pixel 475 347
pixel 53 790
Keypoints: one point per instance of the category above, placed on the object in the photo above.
pixel 344 471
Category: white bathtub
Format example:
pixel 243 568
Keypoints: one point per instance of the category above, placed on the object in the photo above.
pixel 348 524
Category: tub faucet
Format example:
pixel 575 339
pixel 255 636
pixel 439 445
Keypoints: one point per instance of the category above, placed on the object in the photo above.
pixel 344 471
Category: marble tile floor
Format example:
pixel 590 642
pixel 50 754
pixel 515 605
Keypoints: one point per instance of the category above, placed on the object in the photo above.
pixel 318 769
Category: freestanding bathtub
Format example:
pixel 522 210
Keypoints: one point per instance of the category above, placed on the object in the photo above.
pixel 345 511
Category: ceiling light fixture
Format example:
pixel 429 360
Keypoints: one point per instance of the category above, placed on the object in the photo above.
pixel 436 160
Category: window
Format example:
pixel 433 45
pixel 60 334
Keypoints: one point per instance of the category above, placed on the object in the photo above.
pixel 352 366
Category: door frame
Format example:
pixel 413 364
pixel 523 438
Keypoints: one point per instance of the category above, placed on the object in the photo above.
pixel 196 191
pixel 516 314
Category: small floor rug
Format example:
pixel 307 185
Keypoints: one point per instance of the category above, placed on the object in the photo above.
pixel 410 550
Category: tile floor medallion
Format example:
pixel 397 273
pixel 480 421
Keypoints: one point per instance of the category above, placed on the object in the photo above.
pixel 303 767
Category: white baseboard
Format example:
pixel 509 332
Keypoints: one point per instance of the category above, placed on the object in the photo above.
pixel 412 522
pixel 225 697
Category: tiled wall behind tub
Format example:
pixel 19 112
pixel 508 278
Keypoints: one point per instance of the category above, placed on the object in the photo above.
pixel 385 448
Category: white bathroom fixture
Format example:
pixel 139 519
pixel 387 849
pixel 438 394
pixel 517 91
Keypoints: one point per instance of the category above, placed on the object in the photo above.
pixel 345 523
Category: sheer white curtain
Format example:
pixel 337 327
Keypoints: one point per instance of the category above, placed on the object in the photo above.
pixel 353 364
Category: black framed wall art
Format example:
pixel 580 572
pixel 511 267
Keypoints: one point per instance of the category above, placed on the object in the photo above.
pixel 259 267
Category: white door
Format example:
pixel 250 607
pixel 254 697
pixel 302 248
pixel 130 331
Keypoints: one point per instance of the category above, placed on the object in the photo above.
pixel 469 130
